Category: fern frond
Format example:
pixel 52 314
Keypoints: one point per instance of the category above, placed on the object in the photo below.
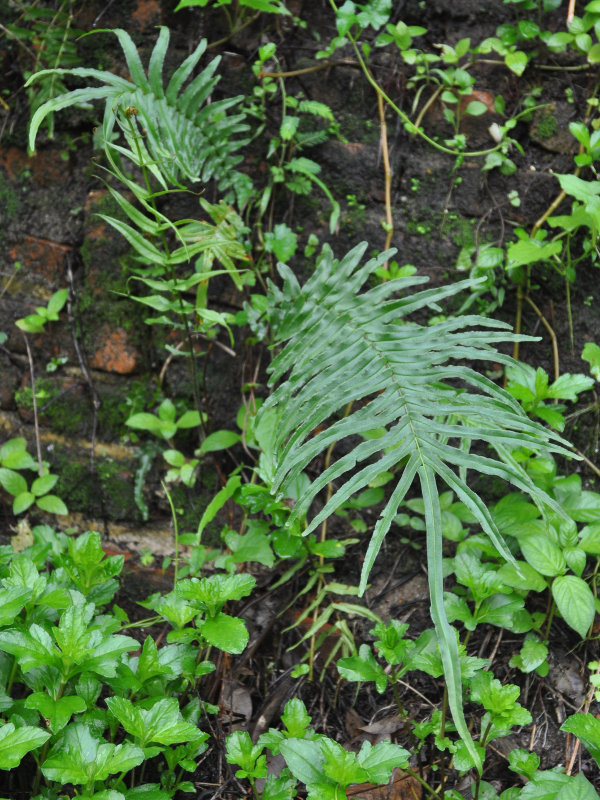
pixel 347 349
pixel 186 137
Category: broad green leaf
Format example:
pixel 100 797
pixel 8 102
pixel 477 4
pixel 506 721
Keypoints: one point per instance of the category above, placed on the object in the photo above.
pixel 590 539
pixel 57 301
pixel 296 718
pixel 530 251
pixel 13 482
pixel 543 555
pixel 22 502
pixel 14 455
pixel 516 62
pixel 575 601
pixel 254 545
pixel 578 788
pixel 210 594
pixel 304 759
pixel 191 419
pixel 52 504
pixel 533 653
pixel 583 506
pixel 144 421
pixel 57 712
pixel 363 667
pixel 227 633
pixel 242 751
pixel 219 440
pixel 43 485
pixel 17 742
pixel 577 187
pixel 81 759
pixel 587 728
pixel 381 759
pixel 12 601
pixel 162 723
pixel 340 765
pixel 522 576
pixel 590 353
pixel 32 648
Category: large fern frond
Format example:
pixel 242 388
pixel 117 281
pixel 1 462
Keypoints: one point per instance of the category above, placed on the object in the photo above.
pixel 353 362
pixel 186 137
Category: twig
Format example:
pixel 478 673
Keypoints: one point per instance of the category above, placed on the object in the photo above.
pixel 589 463
pixel 96 403
pixel 426 108
pixel 551 333
pixel 306 70
pixel 570 15
pixel 36 426
pixel 387 172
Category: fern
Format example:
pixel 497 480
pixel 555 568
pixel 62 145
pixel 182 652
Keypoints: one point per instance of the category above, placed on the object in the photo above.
pixel 358 354
pixel 185 136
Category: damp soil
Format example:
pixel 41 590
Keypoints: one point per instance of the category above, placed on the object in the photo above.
pixel 439 208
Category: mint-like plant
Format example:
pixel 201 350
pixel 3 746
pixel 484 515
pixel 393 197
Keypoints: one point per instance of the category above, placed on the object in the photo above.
pixel 352 362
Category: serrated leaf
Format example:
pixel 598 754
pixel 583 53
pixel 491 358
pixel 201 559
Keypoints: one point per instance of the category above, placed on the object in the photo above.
pixel 57 712
pixel 363 667
pixel 17 742
pixel 227 633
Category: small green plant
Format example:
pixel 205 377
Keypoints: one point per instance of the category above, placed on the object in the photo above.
pixel 71 683
pixel 321 765
pixel 34 323
pixel 532 387
pixel 13 459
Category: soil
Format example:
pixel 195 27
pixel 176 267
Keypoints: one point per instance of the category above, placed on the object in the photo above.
pixel 47 207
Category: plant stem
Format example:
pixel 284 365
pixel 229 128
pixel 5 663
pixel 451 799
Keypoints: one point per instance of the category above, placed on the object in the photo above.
pixel 36 427
pixel 175 532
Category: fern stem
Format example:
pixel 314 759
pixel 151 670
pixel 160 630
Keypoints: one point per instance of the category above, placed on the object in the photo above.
pixel 387 173
pixel 551 333
pixel 188 333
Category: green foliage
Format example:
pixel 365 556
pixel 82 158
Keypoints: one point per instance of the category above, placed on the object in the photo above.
pixel 268 6
pixel 344 348
pixel 325 768
pixel 14 458
pixel 61 651
pixel 34 323
pixel 532 388
pixel 184 137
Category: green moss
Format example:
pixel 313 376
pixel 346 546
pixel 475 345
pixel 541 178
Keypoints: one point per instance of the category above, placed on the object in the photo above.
pixel 547 126
pixel 9 201
pixel 107 493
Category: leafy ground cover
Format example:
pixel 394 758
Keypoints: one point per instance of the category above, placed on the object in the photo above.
pixel 382 577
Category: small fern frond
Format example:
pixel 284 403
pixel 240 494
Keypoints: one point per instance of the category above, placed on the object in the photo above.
pixel 186 137
pixel 350 350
